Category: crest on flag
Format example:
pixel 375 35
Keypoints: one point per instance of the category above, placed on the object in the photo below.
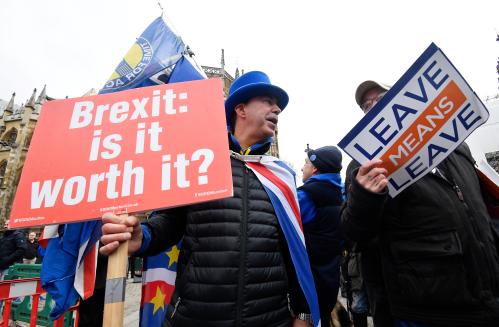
pixel 133 64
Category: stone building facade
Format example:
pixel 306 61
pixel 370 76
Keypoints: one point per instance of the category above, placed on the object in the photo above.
pixel 17 124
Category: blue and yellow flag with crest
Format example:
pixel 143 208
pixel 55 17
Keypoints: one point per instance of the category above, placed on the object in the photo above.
pixel 151 60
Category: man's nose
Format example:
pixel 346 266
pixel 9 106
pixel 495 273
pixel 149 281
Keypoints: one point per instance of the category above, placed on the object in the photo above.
pixel 276 109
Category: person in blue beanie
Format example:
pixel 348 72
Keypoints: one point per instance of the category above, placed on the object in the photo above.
pixel 320 200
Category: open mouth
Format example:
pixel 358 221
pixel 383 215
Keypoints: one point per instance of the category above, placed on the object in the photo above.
pixel 273 120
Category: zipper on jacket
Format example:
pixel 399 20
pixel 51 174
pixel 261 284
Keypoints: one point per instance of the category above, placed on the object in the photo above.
pixel 242 259
pixel 459 194
pixel 175 307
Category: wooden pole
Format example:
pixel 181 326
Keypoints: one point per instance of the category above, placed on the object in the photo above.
pixel 114 301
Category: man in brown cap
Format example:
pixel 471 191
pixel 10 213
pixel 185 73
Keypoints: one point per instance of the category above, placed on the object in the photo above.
pixel 363 264
pixel 438 251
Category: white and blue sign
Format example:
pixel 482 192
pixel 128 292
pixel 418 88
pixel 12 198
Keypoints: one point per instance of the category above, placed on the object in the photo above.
pixel 419 122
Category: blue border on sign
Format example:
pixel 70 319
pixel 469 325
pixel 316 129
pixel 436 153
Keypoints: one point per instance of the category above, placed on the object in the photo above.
pixel 409 74
pixel 465 81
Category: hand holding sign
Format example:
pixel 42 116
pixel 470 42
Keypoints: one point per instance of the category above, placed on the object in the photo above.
pixel 117 229
pixel 372 176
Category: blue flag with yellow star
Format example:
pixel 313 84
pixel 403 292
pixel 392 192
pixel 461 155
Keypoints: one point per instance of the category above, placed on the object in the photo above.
pixel 158 283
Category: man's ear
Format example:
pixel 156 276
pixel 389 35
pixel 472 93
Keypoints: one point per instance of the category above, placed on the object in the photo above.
pixel 240 110
pixel 315 171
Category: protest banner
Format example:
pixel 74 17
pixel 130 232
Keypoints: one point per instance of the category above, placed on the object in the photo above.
pixel 131 151
pixel 419 122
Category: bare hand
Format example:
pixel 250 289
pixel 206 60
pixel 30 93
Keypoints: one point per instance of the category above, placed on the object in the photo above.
pixel 372 177
pixel 300 323
pixel 119 229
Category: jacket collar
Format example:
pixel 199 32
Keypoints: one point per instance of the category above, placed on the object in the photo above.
pixel 330 178
pixel 258 148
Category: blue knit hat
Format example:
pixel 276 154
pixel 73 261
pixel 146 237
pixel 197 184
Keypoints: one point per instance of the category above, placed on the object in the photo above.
pixel 326 159
pixel 250 85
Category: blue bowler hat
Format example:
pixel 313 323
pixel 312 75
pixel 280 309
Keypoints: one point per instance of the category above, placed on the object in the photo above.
pixel 250 85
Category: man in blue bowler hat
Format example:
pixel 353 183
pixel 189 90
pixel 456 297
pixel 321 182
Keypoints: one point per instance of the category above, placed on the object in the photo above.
pixel 234 267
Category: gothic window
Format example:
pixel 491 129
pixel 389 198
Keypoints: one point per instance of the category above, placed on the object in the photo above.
pixel 3 167
pixel 11 136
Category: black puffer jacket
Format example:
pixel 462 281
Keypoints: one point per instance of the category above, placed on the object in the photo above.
pixel 12 248
pixel 439 253
pixel 234 266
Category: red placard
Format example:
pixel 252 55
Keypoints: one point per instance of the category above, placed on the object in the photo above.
pixel 131 151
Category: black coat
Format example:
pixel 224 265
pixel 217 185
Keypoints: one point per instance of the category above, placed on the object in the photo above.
pixel 31 250
pixel 370 260
pixel 234 268
pixel 12 248
pixel 325 242
pixel 439 252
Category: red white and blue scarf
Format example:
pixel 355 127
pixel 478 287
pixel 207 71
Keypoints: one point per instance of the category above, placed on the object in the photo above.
pixel 278 181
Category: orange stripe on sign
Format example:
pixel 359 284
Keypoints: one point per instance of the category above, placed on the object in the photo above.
pixel 423 128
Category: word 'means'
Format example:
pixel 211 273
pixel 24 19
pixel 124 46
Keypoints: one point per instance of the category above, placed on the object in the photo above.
pixel 87 113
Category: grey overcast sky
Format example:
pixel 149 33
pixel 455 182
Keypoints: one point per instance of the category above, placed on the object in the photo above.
pixel 318 51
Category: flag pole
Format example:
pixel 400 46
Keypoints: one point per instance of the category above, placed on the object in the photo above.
pixel 161 7
pixel 114 300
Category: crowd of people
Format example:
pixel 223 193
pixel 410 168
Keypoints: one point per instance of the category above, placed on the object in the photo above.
pixel 425 258
pixel 18 246
pixel 428 257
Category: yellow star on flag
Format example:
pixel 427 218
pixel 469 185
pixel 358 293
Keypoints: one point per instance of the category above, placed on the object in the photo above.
pixel 158 300
pixel 172 255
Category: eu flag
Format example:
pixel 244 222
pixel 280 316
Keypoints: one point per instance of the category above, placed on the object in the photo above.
pixel 158 281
